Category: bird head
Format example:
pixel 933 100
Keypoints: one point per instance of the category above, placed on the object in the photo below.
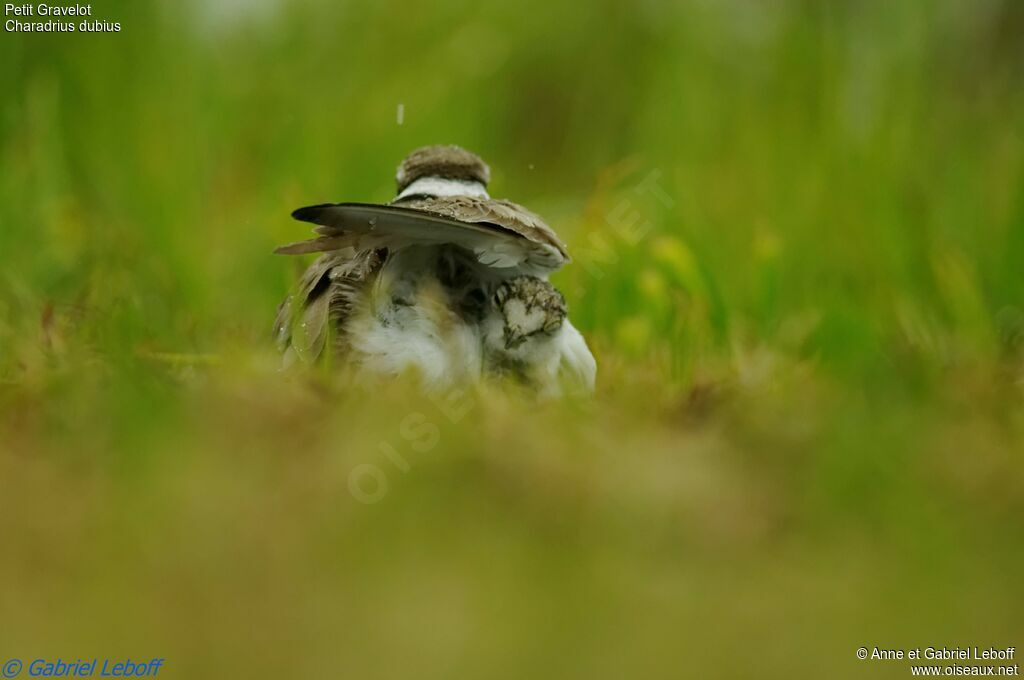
pixel 529 306
pixel 442 170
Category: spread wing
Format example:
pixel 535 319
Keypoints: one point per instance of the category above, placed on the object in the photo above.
pixel 499 233
pixel 512 216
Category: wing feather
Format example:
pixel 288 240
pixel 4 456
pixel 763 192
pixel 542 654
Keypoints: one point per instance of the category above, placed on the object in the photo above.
pixel 323 300
pixel 491 234
pixel 502 212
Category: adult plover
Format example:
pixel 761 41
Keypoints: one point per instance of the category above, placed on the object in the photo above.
pixel 444 280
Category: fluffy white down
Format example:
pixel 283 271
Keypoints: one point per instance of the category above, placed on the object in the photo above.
pixel 407 323
pixel 554 363
pixel 442 353
pixel 428 338
pixel 577 364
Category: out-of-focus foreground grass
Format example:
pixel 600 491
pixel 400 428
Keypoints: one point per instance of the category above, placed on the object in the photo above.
pixel 808 431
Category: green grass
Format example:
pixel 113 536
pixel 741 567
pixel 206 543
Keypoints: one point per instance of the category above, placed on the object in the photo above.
pixel 809 425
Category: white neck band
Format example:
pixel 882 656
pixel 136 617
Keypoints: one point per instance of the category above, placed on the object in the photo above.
pixel 440 186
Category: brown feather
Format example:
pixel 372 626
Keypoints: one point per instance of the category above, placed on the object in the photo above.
pixel 321 244
pixel 503 213
pixel 323 299
pixel 459 220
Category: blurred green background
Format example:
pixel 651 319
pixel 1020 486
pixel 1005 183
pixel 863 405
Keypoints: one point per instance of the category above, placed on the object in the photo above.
pixel 809 426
